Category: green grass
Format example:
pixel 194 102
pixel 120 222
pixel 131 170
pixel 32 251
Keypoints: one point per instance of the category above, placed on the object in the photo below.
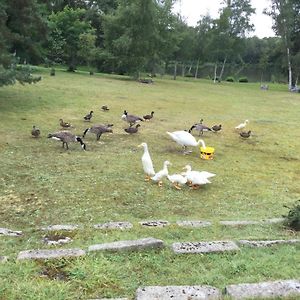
pixel 42 184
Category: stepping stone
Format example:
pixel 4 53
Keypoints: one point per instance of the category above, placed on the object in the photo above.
pixel 50 254
pixel 266 243
pixel 8 232
pixel 128 245
pixel 3 259
pixel 110 299
pixel 204 247
pixel 57 240
pixel 273 221
pixel 193 223
pixel 201 292
pixel 154 223
pixel 238 223
pixel 60 227
pixel 264 290
pixel 114 225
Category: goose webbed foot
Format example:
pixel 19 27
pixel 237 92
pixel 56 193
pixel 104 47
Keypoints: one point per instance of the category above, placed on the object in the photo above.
pixel 177 187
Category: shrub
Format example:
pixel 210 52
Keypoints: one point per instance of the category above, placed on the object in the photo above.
pixel 292 219
pixel 243 79
pixel 229 79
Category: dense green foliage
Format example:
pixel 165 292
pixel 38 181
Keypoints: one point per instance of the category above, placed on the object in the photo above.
pixel 130 37
pixel 292 219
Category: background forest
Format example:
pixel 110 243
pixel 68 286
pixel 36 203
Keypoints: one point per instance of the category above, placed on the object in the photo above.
pixel 133 36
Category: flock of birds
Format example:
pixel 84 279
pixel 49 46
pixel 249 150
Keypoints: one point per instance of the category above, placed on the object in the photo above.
pixel 184 138
pixel 194 179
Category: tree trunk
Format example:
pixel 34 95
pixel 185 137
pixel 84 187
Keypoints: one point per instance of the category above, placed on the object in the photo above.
pixel 175 70
pixel 197 68
pixel 215 73
pixel 289 67
pixel 183 70
pixel 222 70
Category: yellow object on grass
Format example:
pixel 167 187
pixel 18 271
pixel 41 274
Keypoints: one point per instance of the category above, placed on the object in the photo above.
pixel 207 152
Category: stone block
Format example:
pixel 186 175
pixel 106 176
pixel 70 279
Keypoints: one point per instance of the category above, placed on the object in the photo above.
pixel 239 223
pixel 278 289
pixel 257 244
pixel 201 292
pixel 60 227
pixel 205 247
pixel 158 223
pixel 193 223
pixel 9 232
pixel 50 254
pixel 3 259
pixel 128 245
pixel 114 225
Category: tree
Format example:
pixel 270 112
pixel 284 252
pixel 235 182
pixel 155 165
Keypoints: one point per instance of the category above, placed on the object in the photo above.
pixel 65 29
pixel 20 27
pixel 131 34
pixel 230 30
pixel 285 14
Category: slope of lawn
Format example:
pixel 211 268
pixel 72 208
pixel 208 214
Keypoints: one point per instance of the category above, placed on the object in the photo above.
pixel 43 184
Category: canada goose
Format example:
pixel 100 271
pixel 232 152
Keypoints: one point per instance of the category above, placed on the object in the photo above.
pixel 149 117
pixel 216 128
pixel 104 108
pixel 88 116
pixel 245 134
pixel 242 125
pixel 64 124
pixel 185 139
pixel 35 132
pixel 66 137
pixel 199 127
pixel 131 119
pixel 132 130
pixel 98 130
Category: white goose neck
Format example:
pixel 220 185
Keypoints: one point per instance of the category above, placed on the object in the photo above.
pixel 202 143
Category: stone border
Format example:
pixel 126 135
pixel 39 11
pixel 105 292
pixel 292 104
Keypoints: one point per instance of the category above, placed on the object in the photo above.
pixel 197 292
pixel 154 223
pixel 9 232
pixel 50 254
pixel 128 245
pixel 272 289
pixel 195 224
pixel 60 227
pixel 257 244
pixel 204 247
pixel 114 225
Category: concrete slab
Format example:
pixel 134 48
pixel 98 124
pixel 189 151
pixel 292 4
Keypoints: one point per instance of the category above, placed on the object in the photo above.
pixel 60 227
pixel 264 290
pixel 158 223
pixel 202 292
pixel 3 259
pixel 9 232
pixel 257 244
pixel 50 254
pixel 193 223
pixel 205 247
pixel 128 245
pixel 114 225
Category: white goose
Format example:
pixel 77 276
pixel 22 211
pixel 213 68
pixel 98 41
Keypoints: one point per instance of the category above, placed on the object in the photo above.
pixel 197 178
pixel 242 125
pixel 162 173
pixel 147 162
pixel 177 180
pixel 184 139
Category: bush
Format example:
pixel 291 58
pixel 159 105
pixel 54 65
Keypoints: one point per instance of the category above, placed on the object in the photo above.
pixel 229 79
pixel 292 220
pixel 243 79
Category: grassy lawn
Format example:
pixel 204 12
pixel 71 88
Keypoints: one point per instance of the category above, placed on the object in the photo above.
pixel 43 184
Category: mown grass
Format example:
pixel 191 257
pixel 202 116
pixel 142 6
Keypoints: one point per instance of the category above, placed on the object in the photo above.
pixel 42 184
